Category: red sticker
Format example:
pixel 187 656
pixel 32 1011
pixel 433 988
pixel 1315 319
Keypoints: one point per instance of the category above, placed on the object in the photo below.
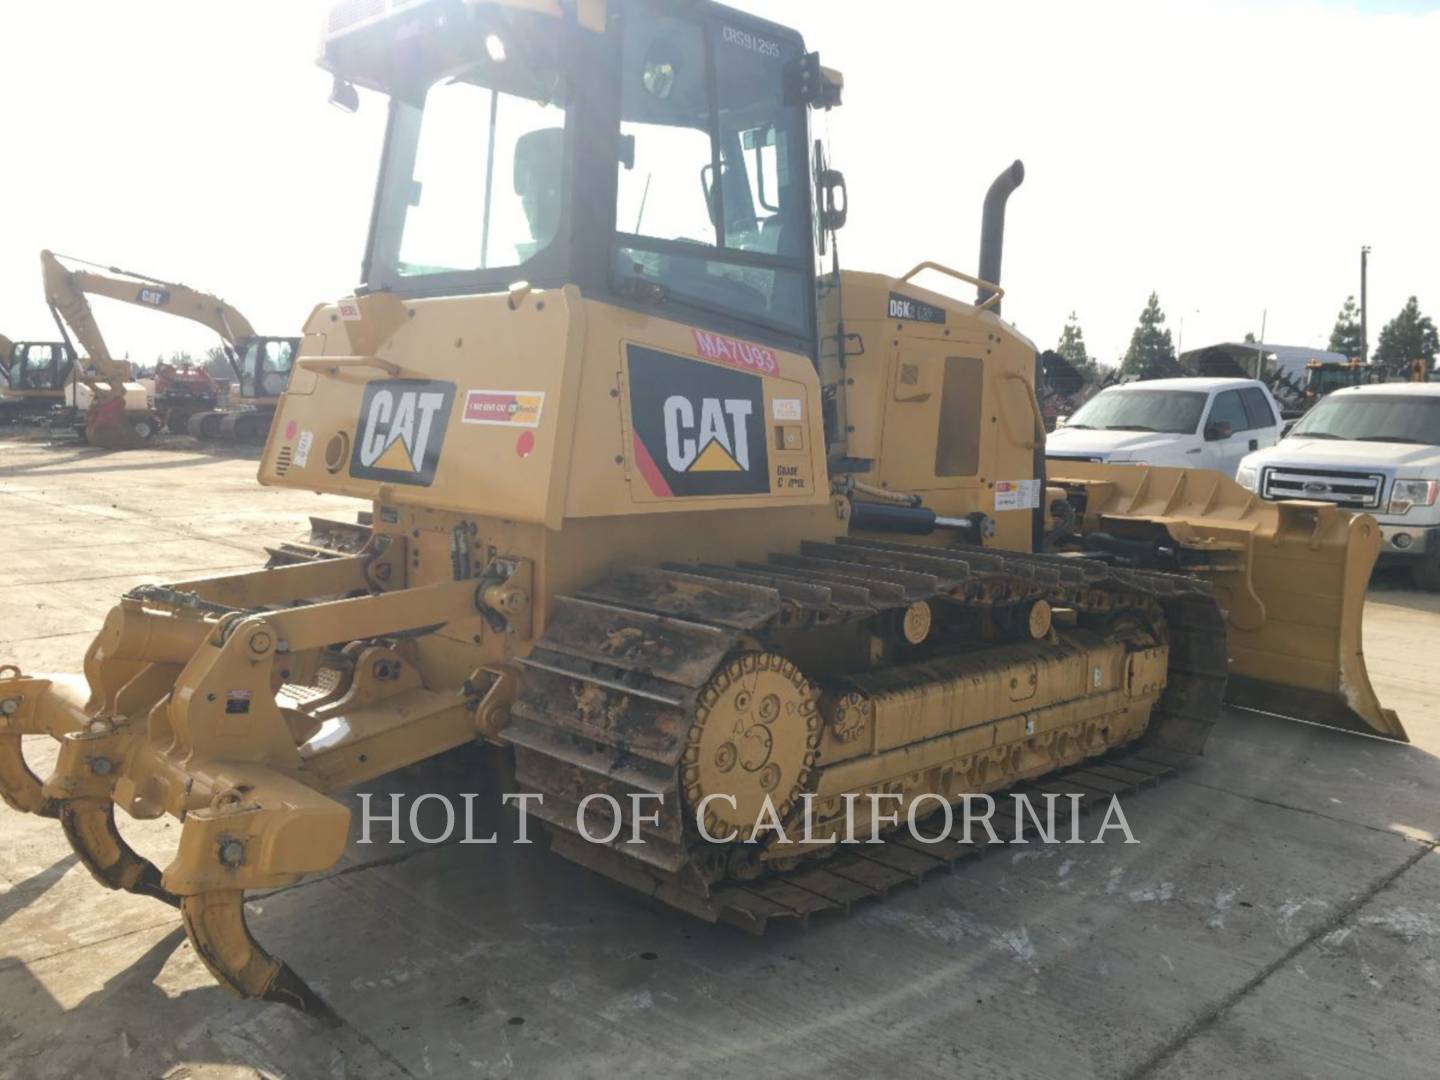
pixel 738 354
pixel 525 445
pixel 504 408
pixel 290 429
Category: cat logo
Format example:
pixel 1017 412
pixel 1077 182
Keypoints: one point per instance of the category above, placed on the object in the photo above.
pixel 697 427
pixel 153 297
pixel 401 429
pixel 719 444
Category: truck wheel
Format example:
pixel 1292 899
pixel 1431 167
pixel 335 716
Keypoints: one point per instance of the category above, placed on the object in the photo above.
pixel 144 428
pixel 1425 573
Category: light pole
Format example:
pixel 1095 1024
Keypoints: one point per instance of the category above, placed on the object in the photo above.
pixel 1364 337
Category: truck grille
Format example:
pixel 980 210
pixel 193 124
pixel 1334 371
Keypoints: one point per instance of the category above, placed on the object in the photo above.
pixel 1353 490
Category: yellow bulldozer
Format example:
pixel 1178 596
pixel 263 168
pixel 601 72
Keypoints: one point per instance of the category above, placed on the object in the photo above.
pixel 671 508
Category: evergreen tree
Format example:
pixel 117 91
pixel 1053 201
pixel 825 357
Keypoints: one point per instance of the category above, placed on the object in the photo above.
pixel 1072 348
pixel 1152 353
pixel 1345 337
pixel 1407 337
pixel 1250 338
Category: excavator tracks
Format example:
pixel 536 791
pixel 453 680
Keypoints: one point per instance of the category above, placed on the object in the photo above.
pixel 616 696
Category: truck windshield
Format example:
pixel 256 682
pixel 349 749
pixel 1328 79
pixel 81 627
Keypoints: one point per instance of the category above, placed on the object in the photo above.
pixel 1176 412
pixel 473 178
pixel 713 190
pixel 1399 418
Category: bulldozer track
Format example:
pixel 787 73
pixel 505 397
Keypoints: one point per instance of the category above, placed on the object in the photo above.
pixel 608 693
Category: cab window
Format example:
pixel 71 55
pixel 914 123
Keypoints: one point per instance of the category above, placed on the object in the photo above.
pixel 1257 408
pixel 1229 409
pixel 713 191
pixel 36 368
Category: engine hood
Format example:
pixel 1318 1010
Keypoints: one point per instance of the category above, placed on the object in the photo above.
pixel 1322 453
pixel 1110 444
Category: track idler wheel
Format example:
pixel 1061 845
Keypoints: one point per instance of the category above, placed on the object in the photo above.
pixel 215 924
pixel 205 425
pixel 89 825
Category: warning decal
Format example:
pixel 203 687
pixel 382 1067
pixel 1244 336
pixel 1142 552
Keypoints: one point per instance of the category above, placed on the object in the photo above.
pixel 1017 494
pixel 507 408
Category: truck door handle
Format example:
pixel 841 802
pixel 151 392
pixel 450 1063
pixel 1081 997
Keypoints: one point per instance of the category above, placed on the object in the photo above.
pixel 1254 444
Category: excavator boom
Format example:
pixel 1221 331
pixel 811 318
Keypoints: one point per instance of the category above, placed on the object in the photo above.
pixel 261 364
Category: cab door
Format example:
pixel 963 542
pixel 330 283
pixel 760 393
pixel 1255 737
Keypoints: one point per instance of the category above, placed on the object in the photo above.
pixel 1227 432
pixel 38 368
pixel 1264 419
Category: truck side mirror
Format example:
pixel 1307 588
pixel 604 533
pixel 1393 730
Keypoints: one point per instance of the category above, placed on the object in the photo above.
pixel 1217 431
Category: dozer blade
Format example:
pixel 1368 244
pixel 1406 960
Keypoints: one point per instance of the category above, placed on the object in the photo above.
pixel 1290 576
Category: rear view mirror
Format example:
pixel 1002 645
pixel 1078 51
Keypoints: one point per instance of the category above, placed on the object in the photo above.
pixel 1217 431
pixel 834 201
pixel 344 96
pixel 712 195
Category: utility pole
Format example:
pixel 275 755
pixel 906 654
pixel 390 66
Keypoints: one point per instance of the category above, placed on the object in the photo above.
pixel 1364 336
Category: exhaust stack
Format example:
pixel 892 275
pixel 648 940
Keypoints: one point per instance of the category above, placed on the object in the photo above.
pixel 992 229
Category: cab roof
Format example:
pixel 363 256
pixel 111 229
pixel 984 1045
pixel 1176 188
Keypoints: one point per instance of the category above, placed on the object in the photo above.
pixel 1199 383
pixel 1425 389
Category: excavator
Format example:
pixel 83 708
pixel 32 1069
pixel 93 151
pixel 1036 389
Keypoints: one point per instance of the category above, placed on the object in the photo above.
pixel 685 520
pixel 107 406
pixel 33 377
pixel 187 399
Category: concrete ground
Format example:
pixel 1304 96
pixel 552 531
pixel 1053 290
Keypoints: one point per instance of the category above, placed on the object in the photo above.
pixel 1279 917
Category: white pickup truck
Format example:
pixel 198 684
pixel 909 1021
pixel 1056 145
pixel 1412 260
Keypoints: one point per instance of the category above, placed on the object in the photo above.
pixel 1188 423
pixel 1371 448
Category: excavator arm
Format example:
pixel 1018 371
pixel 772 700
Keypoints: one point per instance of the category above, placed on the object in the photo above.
pixel 6 348
pixel 144 291
pixel 65 291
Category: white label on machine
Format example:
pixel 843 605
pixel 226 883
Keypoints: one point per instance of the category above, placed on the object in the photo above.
pixel 1017 494
pixel 349 309
pixel 787 409
pixel 302 448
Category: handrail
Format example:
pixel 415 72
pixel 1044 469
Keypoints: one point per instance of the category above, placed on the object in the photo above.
pixel 996 292
pixel 331 365
pixel 1034 411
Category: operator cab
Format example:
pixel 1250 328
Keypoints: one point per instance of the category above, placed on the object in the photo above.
pixel 39 365
pixel 264 366
pixel 651 152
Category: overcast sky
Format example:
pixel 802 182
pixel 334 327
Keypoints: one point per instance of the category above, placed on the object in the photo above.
pixel 1232 156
